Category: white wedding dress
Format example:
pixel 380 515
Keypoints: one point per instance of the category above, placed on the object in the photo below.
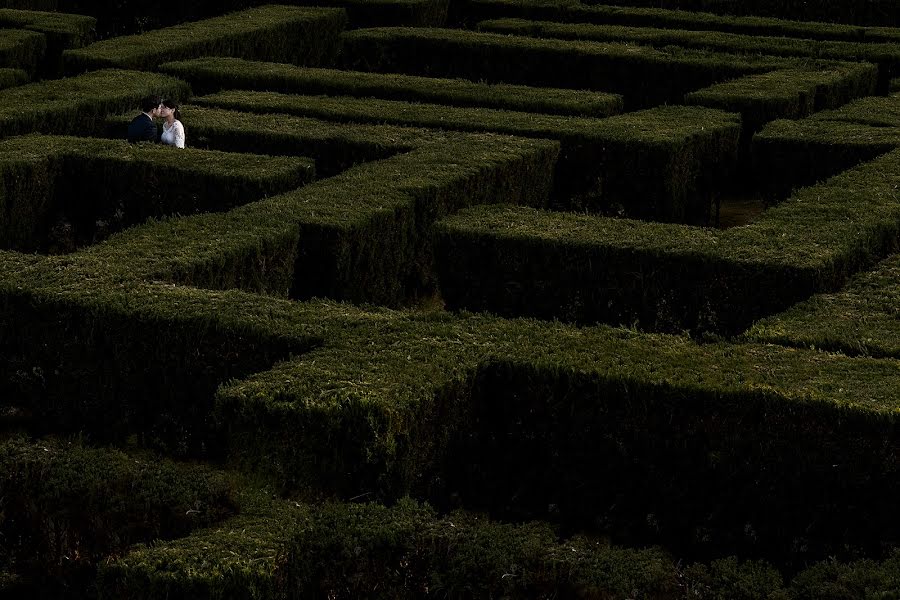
pixel 174 135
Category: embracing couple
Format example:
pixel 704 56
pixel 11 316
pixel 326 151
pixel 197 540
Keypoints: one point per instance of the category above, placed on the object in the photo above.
pixel 143 127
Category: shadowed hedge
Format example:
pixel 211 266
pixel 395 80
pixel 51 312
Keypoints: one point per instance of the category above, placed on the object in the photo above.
pixel 78 105
pixel 208 75
pixel 644 76
pixel 65 507
pixel 663 163
pixel 308 36
pixel 515 261
pixel 885 55
pixel 860 319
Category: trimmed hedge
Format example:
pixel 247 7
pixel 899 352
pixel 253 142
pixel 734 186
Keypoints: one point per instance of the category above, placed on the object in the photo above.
pixel 378 13
pixel 572 11
pixel 587 426
pixel 65 508
pixel 885 55
pixel 789 154
pixel 857 12
pixel 164 350
pixel 139 182
pixel 645 76
pixel 876 111
pixel 514 261
pixel 787 93
pixel 21 49
pixel 661 163
pixel 78 105
pixel 362 235
pixel 239 558
pixel 208 75
pixel 126 17
pixel 62 31
pixel 393 401
pixel 334 147
pixel 12 77
pixel 860 319
pixel 308 36
pixel 45 5
pixel 407 551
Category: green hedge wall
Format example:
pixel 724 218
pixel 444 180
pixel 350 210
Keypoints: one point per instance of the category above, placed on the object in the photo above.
pixel 861 319
pixel 79 105
pixel 238 558
pixel 384 402
pixel 572 11
pixel 126 17
pixel 515 261
pixel 12 77
pixel 45 5
pixel 660 163
pixel 364 234
pixel 885 55
pixel 21 49
pixel 787 93
pixel 790 154
pixel 140 182
pixel 65 507
pixel 163 357
pixel 645 76
pixel 879 111
pixel 208 75
pixel 407 551
pixel 858 12
pixel 62 31
pixel 377 13
pixel 602 426
pixel 335 147
pixel 308 36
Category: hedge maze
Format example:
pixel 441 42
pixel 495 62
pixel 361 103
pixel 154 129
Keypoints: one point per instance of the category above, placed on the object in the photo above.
pixel 452 299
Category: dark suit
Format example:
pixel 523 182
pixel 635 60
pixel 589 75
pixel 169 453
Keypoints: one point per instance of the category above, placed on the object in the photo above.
pixel 142 129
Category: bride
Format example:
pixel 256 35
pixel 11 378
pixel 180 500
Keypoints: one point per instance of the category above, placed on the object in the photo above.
pixel 173 130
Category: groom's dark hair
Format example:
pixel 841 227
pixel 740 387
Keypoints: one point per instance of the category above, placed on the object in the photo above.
pixel 150 102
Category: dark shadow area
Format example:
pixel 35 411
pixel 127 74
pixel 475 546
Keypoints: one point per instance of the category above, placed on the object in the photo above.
pixel 703 475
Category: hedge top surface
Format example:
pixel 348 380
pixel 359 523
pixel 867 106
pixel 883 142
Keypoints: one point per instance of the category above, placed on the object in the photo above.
pixel 387 365
pixel 780 85
pixel 231 164
pixel 94 86
pixel 698 40
pixel 143 49
pixel 522 223
pixel 863 318
pixel 62 105
pixel 878 111
pixel 225 73
pixel 664 125
pixel 14 38
pixel 574 47
pixel 826 131
pixel 819 228
pixel 350 199
pixel 79 29
pixel 573 11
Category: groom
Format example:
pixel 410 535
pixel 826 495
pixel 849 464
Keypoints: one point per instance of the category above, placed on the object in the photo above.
pixel 143 128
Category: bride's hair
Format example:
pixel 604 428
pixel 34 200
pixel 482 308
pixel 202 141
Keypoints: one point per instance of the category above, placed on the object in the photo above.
pixel 174 106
